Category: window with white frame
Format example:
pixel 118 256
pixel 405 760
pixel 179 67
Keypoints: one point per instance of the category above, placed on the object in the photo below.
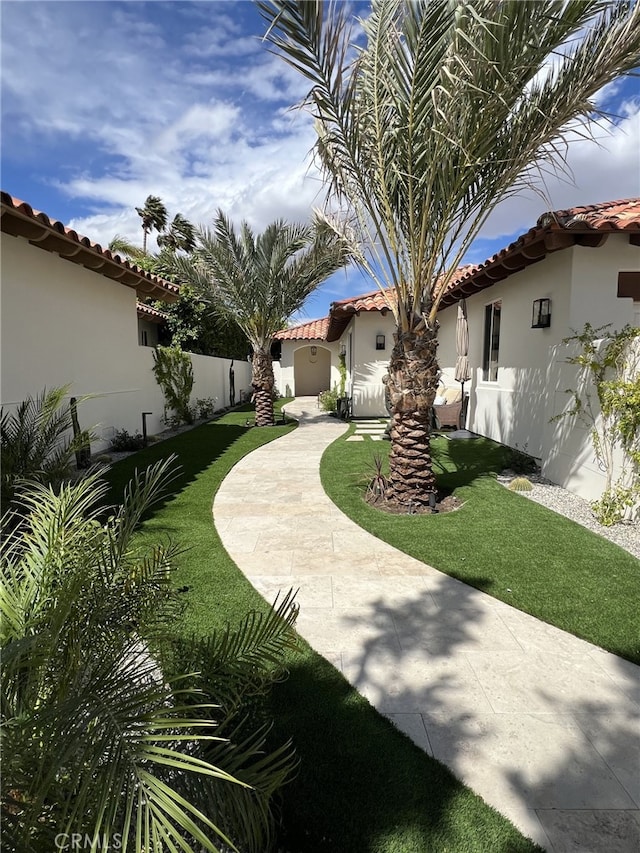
pixel 491 341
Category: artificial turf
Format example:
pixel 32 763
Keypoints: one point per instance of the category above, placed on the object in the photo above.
pixel 362 786
pixel 501 542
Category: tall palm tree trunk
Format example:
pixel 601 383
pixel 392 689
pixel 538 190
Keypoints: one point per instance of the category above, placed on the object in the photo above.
pixel 262 382
pixel 412 382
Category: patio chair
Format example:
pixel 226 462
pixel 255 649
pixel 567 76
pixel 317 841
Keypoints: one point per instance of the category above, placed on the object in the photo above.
pixel 447 407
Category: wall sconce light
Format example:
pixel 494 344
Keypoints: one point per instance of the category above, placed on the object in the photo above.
pixel 379 341
pixel 343 349
pixel 314 352
pixel 541 318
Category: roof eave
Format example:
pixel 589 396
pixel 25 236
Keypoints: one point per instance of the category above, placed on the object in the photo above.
pixel 52 236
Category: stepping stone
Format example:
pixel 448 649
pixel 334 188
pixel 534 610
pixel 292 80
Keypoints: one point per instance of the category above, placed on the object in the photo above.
pixel 354 438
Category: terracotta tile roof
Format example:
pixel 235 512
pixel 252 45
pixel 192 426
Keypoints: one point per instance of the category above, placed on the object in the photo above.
pixel 588 225
pixel 341 311
pixel 314 330
pixel 375 300
pixel 20 220
pixel 621 215
pixel 148 312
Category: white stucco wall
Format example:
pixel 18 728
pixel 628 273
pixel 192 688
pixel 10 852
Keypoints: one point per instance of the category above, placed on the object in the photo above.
pixel 296 360
pixel 510 410
pixel 369 365
pixel 582 285
pixel 64 325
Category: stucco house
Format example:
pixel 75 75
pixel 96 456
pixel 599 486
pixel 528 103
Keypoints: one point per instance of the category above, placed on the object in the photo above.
pixel 73 314
pixel 584 261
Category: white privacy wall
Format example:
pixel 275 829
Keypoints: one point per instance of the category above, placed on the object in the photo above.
pixel 63 324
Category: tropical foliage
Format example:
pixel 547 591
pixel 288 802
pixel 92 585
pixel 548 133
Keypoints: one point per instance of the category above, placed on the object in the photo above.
pixel 174 374
pixel 446 109
pixel 259 282
pixel 191 326
pixel 36 441
pixel 98 741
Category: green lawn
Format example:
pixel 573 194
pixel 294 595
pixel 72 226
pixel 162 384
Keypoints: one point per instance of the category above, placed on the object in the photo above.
pixel 502 542
pixel 362 786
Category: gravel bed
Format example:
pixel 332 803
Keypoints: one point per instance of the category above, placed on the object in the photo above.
pixel 625 534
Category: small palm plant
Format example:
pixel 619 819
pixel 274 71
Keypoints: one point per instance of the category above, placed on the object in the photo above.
pixel 36 441
pixel 97 740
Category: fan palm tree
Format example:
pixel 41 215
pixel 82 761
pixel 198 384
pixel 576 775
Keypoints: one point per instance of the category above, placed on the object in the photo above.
pixel 259 282
pixel 446 109
pixel 179 236
pixel 154 217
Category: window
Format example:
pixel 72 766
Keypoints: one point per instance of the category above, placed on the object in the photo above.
pixel 491 341
pixel 143 338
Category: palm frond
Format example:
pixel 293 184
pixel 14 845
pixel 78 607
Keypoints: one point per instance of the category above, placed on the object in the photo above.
pixel 447 109
pixel 100 740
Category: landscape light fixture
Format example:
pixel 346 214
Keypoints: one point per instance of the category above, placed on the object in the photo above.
pixel 379 341
pixel 541 318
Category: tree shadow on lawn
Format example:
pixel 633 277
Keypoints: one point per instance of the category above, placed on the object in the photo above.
pixel 363 786
pixel 458 462
pixel 560 739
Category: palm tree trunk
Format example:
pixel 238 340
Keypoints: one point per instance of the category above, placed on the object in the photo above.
pixel 262 382
pixel 412 382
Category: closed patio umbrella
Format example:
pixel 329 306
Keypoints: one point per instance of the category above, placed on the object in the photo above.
pixel 462 372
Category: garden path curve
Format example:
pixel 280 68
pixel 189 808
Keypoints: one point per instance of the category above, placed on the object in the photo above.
pixel 542 725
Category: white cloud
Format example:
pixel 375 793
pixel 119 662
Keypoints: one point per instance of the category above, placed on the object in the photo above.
pixel 602 170
pixel 191 108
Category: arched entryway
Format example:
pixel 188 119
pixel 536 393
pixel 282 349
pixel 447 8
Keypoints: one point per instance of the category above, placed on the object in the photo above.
pixel 311 370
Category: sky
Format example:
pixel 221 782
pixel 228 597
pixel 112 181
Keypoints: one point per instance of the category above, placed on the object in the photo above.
pixel 105 103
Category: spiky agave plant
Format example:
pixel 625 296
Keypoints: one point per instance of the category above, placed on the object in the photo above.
pixel 97 740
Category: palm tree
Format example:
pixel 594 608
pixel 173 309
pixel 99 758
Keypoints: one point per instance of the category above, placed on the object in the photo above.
pixel 259 282
pixel 120 245
pixel 180 235
pixel 446 109
pixel 98 740
pixel 154 217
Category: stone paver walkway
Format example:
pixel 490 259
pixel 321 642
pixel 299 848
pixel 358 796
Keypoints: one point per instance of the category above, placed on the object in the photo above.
pixel 544 726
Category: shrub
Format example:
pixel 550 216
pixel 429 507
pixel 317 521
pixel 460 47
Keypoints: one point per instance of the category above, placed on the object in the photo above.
pixel 521 463
pixel 328 400
pixel 174 374
pixel 122 441
pixel 205 406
